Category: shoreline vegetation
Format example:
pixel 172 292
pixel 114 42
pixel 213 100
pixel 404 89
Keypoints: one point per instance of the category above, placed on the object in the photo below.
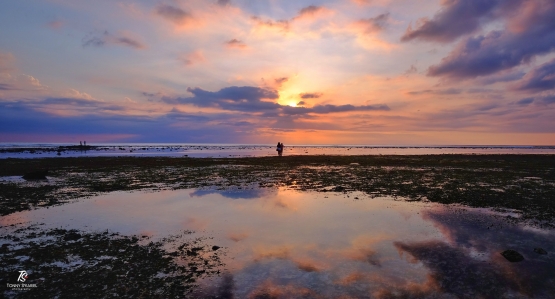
pixel 519 183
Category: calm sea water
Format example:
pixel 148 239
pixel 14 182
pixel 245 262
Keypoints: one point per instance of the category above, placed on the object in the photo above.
pixel 37 150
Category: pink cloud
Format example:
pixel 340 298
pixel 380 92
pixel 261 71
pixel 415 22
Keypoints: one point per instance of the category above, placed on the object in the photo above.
pixel 235 44
pixel 192 58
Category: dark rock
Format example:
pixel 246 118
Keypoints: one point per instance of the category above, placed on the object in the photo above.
pixel 539 250
pixel 36 175
pixel 512 256
pixel 339 189
pixel 215 247
pixel 72 236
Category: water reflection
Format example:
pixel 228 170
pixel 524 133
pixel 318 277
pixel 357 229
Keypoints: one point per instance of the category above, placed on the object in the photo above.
pixel 289 244
pixel 235 193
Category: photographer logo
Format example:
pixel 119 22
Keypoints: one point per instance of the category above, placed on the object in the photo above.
pixel 21 286
pixel 22 276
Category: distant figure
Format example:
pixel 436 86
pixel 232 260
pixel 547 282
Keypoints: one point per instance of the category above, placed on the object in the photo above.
pixel 80 143
pixel 279 149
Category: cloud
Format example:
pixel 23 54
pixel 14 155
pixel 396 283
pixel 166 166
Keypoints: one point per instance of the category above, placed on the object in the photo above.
pixel 250 99
pixel 6 87
pixel 72 93
pixel 223 2
pixel 284 26
pixel 527 36
pixel 545 100
pixel 540 79
pixel 362 2
pixel 173 14
pixel 281 26
pixel 449 91
pixel 235 43
pixel 55 24
pixel 326 109
pixel 126 41
pixel 502 77
pixel 22 118
pixel 310 12
pixel 6 62
pixel 373 25
pixel 192 58
pixel 122 39
pixel 75 102
pixel 235 98
pixel 457 18
pixel 525 101
pixel 280 81
pixel 21 82
pixel 411 70
pixel 310 95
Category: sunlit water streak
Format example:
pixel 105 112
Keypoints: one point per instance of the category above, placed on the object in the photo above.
pixel 288 244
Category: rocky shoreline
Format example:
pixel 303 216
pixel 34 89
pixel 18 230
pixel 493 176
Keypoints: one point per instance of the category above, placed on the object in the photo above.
pixel 521 183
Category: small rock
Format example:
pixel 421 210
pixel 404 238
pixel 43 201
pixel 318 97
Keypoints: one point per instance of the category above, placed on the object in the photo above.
pixel 539 250
pixel 72 237
pixel 215 247
pixel 512 256
pixel 36 175
pixel 339 189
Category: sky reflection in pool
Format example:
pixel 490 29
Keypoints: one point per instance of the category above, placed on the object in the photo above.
pixel 287 244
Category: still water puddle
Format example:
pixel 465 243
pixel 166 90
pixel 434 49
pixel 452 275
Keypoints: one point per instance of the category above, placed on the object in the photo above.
pixel 287 244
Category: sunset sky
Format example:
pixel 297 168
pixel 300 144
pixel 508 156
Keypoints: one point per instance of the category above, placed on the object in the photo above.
pixel 377 72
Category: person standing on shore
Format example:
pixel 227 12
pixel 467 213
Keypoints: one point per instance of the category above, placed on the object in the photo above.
pixel 279 149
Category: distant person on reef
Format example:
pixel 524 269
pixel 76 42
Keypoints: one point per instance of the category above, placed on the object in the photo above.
pixel 279 149
pixel 80 143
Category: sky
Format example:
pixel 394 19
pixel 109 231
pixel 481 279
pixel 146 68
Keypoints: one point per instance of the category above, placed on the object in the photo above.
pixel 364 72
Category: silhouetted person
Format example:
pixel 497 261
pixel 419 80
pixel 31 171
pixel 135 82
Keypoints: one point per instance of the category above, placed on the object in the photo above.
pixel 279 149
pixel 80 143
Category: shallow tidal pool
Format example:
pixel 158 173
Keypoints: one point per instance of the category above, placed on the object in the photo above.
pixel 281 243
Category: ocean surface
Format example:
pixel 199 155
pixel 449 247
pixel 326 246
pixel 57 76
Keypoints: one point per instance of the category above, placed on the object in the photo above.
pixel 41 150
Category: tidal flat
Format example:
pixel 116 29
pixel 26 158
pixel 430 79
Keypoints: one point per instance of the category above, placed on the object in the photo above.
pixel 430 226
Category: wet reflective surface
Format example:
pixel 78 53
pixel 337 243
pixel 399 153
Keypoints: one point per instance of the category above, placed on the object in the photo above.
pixel 23 150
pixel 288 244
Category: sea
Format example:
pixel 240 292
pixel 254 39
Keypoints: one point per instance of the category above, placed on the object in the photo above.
pixel 42 150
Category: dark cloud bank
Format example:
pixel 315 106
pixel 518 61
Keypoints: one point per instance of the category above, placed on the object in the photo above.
pixel 252 99
pixel 529 32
